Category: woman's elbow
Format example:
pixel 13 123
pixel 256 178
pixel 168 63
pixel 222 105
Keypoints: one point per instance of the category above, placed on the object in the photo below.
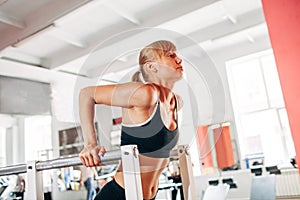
pixel 86 93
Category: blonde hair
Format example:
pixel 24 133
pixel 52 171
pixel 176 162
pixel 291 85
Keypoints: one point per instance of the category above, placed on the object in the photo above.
pixel 150 53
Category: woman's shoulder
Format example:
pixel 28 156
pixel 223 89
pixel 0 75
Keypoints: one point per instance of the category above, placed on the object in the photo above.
pixel 146 88
pixel 138 87
pixel 143 94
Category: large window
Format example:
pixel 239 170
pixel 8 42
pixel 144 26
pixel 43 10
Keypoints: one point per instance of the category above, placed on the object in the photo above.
pixel 37 137
pixel 260 115
pixel 2 146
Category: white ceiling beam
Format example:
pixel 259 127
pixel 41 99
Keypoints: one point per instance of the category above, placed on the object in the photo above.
pixel 28 38
pixel 40 19
pixel 74 65
pixel 227 41
pixel 250 19
pixel 13 54
pixel 12 21
pixel 231 18
pixel 241 34
pixel 55 32
pixel 117 66
pixel 80 11
pixel 122 12
pixel 171 9
pixel 67 37
pixel 9 68
pixel 29 72
pixel 250 38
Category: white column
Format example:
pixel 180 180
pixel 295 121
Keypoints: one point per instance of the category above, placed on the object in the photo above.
pixel 131 171
pixel 34 190
pixel 9 146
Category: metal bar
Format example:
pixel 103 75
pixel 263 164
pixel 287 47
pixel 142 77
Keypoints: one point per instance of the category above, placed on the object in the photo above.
pixel 73 161
pixel 108 158
pixel 174 154
pixel 15 169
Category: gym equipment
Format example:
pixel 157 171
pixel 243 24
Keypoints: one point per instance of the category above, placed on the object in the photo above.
pixel 128 154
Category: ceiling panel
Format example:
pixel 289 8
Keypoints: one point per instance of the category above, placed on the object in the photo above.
pixel 238 7
pixel 134 7
pixel 41 47
pixel 21 8
pixel 59 35
pixel 99 18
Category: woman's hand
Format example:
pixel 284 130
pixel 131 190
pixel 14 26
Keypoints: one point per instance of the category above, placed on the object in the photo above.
pixel 89 156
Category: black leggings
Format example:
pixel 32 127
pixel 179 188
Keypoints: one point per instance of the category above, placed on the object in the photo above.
pixel 112 191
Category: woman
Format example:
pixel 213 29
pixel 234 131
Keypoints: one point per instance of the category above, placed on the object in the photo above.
pixel 87 179
pixel 149 117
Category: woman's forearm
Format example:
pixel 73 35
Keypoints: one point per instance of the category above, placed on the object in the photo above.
pixel 86 112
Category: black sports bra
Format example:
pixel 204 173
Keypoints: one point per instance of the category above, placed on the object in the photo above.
pixel 152 137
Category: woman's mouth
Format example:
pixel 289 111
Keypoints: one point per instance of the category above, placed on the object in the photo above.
pixel 179 68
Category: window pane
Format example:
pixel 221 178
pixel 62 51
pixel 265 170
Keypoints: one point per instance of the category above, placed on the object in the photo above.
pixel 272 81
pixel 287 133
pixel 266 125
pixel 37 136
pixel 249 86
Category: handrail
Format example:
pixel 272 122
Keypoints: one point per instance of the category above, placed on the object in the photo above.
pixel 129 156
pixel 14 169
pixel 108 158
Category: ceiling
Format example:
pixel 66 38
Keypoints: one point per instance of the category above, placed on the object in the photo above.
pixel 41 40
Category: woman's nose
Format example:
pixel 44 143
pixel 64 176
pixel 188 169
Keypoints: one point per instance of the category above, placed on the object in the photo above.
pixel 178 60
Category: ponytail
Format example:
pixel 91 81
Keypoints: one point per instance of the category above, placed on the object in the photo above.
pixel 138 77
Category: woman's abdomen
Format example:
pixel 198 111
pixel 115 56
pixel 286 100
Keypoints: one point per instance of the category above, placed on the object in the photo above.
pixel 151 169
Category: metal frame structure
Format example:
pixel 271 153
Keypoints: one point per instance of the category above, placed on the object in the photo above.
pixel 128 154
pixel 186 171
pixel 131 168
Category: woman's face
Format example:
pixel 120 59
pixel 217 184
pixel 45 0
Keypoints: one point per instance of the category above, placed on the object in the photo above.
pixel 169 66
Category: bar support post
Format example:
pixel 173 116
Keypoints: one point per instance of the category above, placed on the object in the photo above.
pixel 131 170
pixel 34 190
pixel 186 173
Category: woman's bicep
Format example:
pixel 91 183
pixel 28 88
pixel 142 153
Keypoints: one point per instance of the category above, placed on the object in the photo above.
pixel 123 95
pixel 103 94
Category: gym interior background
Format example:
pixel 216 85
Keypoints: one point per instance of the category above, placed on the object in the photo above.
pixel 248 127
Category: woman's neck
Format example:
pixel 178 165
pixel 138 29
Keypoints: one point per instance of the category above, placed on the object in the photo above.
pixel 166 84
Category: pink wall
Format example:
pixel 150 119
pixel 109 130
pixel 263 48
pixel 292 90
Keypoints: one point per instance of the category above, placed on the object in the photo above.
pixel 223 145
pixel 283 20
pixel 204 146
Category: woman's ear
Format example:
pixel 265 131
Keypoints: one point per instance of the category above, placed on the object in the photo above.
pixel 151 66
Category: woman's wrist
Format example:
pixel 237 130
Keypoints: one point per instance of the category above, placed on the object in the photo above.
pixel 90 145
